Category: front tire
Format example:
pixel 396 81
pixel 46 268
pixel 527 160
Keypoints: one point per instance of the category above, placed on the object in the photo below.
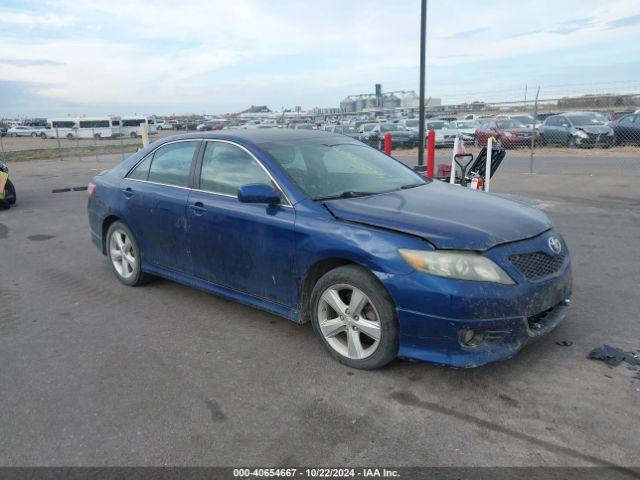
pixel 124 255
pixel 354 317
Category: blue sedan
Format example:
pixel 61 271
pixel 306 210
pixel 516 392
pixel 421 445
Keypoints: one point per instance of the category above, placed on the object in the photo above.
pixel 318 227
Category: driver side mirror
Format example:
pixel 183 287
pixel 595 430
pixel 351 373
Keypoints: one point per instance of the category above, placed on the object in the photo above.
pixel 258 193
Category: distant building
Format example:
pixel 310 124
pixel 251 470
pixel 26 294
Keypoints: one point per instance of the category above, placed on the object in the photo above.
pixel 412 100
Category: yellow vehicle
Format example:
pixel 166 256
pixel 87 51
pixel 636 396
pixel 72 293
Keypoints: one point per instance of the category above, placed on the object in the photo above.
pixel 7 190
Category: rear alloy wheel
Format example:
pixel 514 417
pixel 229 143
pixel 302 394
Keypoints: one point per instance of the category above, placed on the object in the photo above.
pixel 124 254
pixel 70 136
pixel 34 134
pixel 354 318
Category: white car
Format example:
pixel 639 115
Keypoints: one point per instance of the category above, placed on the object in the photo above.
pixel 446 132
pixel 466 127
pixel 24 131
pixel 410 124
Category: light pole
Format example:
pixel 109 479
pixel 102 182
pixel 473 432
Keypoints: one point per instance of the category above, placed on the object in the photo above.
pixel 423 42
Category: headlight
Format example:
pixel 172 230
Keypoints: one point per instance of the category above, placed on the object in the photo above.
pixel 610 132
pixel 581 134
pixel 453 264
pixel 508 134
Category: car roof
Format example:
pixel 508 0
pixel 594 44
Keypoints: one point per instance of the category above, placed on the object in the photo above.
pixel 258 136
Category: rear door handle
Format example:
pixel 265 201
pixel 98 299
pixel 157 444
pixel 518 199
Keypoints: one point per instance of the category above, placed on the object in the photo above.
pixel 198 208
pixel 127 192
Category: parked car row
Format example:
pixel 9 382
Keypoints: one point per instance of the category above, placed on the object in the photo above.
pixel 570 129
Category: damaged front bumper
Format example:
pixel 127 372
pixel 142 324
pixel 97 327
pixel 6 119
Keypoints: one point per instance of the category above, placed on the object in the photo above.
pixel 467 324
pixel 488 340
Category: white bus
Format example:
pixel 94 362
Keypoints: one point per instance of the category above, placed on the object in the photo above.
pixel 131 125
pixel 81 127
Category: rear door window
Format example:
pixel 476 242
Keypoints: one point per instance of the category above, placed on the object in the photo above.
pixel 171 164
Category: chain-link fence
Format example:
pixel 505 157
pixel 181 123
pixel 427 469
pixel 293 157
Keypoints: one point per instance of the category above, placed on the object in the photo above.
pixel 605 125
pixel 71 139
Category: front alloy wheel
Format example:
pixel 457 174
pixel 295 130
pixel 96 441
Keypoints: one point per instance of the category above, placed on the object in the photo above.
pixel 354 317
pixel 349 321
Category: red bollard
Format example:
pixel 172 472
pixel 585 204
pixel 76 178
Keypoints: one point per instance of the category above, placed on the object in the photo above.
pixel 387 143
pixel 431 152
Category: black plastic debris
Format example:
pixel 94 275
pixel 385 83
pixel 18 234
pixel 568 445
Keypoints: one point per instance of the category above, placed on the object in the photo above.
pixel 564 343
pixel 75 189
pixel 613 356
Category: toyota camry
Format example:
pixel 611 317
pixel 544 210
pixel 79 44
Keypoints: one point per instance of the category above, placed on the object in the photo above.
pixel 321 228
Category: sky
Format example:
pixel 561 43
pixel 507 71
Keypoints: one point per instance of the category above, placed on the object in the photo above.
pixel 73 57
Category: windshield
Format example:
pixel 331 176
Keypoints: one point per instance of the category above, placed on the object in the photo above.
pixel 509 124
pixel 582 120
pixel 391 127
pixel 587 119
pixel 435 125
pixel 368 127
pixel 526 119
pixel 349 169
pixel 411 123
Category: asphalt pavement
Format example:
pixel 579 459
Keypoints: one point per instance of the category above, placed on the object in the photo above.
pixel 97 373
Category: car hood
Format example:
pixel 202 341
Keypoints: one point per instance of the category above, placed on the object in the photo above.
pixel 448 216
pixel 517 130
pixel 597 129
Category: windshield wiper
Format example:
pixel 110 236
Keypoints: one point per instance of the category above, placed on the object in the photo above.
pixel 411 185
pixel 346 194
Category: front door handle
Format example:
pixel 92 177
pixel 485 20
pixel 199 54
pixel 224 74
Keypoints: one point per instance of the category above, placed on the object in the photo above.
pixel 198 208
pixel 127 192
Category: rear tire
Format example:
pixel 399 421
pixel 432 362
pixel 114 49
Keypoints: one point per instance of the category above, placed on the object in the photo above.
pixel 362 330
pixel 34 134
pixel 43 136
pixel 124 255
pixel 134 135
pixel 11 193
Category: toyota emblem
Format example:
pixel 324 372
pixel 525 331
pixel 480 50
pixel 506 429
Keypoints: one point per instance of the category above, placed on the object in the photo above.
pixel 554 245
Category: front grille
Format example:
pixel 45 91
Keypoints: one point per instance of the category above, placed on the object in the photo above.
pixel 537 265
